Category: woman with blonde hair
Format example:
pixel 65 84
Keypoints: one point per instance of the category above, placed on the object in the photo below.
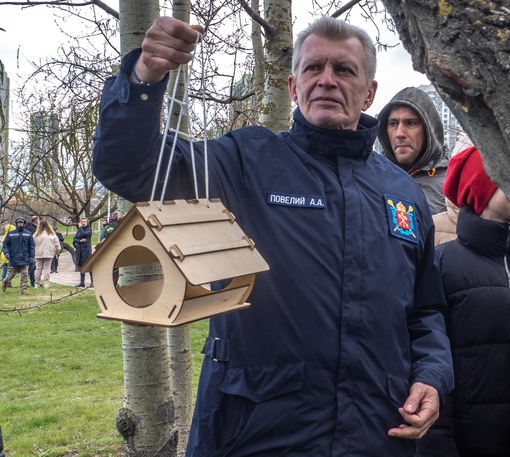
pixel 47 246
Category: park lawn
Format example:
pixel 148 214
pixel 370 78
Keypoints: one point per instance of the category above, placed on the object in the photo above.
pixel 62 376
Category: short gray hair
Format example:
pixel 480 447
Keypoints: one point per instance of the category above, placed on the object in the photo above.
pixel 336 29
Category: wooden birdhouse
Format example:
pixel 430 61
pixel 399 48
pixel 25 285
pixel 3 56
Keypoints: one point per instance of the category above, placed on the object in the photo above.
pixel 191 244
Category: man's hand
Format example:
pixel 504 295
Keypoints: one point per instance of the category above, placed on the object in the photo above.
pixel 420 411
pixel 168 43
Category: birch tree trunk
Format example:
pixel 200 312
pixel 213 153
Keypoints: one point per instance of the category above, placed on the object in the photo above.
pixel 181 372
pixel 146 420
pixel 275 109
pixel 258 53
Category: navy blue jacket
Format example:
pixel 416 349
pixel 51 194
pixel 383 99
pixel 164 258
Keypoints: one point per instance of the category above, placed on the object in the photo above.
pixel 349 314
pixel 475 277
pixel 83 250
pixel 19 247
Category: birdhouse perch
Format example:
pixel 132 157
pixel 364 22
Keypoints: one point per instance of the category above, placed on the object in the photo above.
pixel 195 243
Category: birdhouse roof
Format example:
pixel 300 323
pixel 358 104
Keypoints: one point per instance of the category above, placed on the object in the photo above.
pixel 201 236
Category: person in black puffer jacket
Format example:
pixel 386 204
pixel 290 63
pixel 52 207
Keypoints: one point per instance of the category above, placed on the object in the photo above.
pixel 474 269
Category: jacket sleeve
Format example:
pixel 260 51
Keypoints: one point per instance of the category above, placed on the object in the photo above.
pixel 77 237
pixel 127 145
pixel 31 247
pixel 127 136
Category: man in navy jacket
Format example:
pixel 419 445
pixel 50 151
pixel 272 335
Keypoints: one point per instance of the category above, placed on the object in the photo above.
pixel 19 249
pixel 343 351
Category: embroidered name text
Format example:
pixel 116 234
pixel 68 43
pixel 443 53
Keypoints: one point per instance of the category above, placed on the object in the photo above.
pixel 306 201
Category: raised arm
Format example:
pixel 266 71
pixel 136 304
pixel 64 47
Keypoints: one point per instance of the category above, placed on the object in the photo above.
pixel 168 43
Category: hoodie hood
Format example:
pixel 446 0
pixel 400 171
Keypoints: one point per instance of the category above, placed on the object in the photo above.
pixel 434 155
pixel 8 228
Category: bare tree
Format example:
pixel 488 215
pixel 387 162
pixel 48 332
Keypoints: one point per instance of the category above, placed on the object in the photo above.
pixel 49 170
pixel 147 419
pixel 462 47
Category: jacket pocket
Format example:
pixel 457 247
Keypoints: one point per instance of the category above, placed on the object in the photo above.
pixel 259 384
pixel 398 389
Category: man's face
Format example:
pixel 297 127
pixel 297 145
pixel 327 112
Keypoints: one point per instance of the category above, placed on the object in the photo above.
pixel 330 86
pixel 406 133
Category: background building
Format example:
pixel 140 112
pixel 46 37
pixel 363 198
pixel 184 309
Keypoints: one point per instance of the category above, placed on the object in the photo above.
pixel 452 129
pixel 44 140
pixel 4 131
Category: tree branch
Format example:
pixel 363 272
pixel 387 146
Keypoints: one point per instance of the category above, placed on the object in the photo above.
pixel 345 8
pixel 270 31
pixel 100 4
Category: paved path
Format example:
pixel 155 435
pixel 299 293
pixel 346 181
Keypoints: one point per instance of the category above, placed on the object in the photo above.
pixel 67 273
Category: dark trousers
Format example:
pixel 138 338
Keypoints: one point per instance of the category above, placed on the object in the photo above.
pixel 54 265
pixel 82 279
pixel 31 273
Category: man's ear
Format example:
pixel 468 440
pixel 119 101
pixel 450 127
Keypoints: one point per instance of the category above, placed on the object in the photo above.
pixel 372 89
pixel 292 88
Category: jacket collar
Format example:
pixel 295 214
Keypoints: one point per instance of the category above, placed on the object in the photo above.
pixel 354 144
pixel 489 238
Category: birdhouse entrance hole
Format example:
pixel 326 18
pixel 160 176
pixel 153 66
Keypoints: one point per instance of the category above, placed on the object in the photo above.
pixel 138 267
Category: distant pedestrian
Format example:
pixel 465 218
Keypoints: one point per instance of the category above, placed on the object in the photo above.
pixel 19 249
pixel 83 246
pixel 32 227
pixel 108 228
pixel 3 259
pixel 47 246
pixel 54 263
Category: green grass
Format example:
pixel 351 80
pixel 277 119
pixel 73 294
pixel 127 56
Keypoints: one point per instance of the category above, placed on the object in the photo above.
pixel 61 381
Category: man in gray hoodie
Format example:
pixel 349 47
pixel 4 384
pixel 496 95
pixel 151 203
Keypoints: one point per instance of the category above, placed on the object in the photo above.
pixel 412 137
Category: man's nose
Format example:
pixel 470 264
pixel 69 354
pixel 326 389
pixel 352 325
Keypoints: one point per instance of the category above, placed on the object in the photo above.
pixel 401 130
pixel 327 77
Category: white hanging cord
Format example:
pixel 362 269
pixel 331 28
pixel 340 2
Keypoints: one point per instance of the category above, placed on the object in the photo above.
pixel 204 119
pixel 184 109
pixel 165 134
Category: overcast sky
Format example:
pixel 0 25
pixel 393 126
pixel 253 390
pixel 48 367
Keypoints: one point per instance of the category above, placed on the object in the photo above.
pixel 33 33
